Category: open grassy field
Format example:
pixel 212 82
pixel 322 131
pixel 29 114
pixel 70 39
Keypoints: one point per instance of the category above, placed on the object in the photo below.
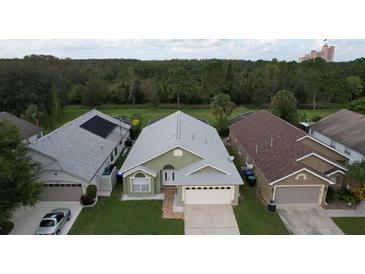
pixel 148 112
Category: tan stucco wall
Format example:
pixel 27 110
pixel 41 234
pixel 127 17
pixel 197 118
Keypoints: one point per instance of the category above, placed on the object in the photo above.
pixel 325 151
pixel 317 164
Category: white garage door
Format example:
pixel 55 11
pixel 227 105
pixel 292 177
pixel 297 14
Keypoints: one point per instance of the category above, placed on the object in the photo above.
pixel 298 194
pixel 61 192
pixel 208 195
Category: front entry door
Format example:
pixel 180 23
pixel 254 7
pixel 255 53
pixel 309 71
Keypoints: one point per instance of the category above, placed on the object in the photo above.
pixel 168 176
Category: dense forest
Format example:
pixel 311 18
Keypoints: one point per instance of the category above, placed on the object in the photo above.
pixel 40 80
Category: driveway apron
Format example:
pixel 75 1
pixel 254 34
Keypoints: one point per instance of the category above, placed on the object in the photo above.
pixel 307 219
pixel 210 220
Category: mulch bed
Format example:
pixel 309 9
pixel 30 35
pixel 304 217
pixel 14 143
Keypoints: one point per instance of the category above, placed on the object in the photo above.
pixel 340 205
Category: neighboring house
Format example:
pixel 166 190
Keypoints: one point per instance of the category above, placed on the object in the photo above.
pixel 181 152
pixel 76 155
pixel 28 131
pixel 290 166
pixel 343 131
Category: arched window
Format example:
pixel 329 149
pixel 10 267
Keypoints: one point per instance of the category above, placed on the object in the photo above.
pixel 168 167
pixel 140 175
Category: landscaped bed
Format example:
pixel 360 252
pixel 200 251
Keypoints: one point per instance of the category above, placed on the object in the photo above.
pixel 351 225
pixel 112 216
pixel 253 217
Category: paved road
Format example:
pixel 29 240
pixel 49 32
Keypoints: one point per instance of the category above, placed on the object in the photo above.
pixel 26 220
pixel 210 220
pixel 307 219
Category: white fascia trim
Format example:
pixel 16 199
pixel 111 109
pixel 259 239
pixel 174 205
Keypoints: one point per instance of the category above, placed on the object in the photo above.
pixel 298 171
pixel 336 171
pixel 163 152
pixel 139 169
pixel 323 144
pixel 322 158
pixel 207 165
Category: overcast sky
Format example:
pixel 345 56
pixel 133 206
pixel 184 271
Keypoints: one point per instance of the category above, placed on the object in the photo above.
pixel 247 49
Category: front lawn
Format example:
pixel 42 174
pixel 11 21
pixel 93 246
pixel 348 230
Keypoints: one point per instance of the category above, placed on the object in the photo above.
pixel 111 216
pixel 351 225
pixel 253 217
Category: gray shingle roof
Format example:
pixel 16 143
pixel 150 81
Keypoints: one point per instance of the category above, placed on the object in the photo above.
pixel 180 129
pixel 79 151
pixel 345 127
pixel 26 128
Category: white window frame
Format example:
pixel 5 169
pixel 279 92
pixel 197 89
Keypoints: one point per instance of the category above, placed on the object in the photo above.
pixel 347 150
pixel 137 187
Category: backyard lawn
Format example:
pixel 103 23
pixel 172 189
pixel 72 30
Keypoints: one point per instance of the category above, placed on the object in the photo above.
pixel 253 218
pixel 148 112
pixel 111 216
pixel 351 225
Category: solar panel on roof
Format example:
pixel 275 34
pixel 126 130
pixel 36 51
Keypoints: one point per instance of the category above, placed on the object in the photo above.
pixel 99 126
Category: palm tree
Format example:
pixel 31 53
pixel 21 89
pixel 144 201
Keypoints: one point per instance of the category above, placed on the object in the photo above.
pixel 32 114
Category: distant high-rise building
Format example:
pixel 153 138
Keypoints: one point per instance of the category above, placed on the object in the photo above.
pixel 327 53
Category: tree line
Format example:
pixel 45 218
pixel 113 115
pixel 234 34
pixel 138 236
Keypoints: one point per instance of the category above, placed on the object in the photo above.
pixel 44 82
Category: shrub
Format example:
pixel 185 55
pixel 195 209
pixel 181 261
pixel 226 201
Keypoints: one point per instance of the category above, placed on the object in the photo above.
pixel 357 105
pixel 345 195
pixel 222 127
pixel 332 195
pixel 90 196
pixel 135 128
pixel 91 191
pixel 316 118
pixel 6 227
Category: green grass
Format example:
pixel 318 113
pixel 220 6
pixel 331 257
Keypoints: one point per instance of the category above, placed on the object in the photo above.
pixel 148 112
pixel 199 111
pixel 253 218
pixel 111 216
pixel 351 225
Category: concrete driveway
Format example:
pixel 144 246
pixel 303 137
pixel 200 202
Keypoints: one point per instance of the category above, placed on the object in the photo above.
pixel 210 220
pixel 26 220
pixel 307 219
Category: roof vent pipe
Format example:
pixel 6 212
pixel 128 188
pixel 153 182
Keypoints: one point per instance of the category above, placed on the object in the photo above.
pixel 271 141
pixel 257 147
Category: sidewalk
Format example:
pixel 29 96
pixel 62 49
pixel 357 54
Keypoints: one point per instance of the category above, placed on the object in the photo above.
pixel 358 212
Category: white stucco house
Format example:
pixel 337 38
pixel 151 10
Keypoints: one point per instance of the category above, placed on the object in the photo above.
pixel 76 155
pixel 343 131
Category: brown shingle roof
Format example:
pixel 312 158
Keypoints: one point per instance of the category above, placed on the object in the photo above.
pixel 26 129
pixel 345 127
pixel 278 160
